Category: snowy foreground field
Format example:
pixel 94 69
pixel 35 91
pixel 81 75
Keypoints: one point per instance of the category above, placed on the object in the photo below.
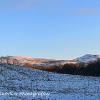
pixel 22 83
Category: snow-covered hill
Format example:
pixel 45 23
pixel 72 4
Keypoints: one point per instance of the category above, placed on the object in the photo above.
pixel 23 83
pixel 49 64
pixel 16 80
pixel 87 58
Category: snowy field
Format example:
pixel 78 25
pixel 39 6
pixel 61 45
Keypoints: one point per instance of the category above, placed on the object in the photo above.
pixel 43 85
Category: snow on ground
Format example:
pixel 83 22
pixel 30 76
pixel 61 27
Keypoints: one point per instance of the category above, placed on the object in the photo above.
pixel 16 79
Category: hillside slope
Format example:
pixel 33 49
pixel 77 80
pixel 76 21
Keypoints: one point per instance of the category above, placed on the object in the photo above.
pixel 17 79
pixel 85 65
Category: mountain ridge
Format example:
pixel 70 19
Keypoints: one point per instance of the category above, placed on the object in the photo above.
pixel 79 65
pixel 85 58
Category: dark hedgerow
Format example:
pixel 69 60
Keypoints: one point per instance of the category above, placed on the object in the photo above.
pixel 91 69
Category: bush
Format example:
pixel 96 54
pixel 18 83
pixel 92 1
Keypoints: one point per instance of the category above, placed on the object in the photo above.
pixel 91 69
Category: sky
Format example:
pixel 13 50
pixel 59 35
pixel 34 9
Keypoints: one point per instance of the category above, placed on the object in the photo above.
pixel 59 29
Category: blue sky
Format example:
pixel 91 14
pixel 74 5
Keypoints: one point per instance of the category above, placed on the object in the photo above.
pixel 61 29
